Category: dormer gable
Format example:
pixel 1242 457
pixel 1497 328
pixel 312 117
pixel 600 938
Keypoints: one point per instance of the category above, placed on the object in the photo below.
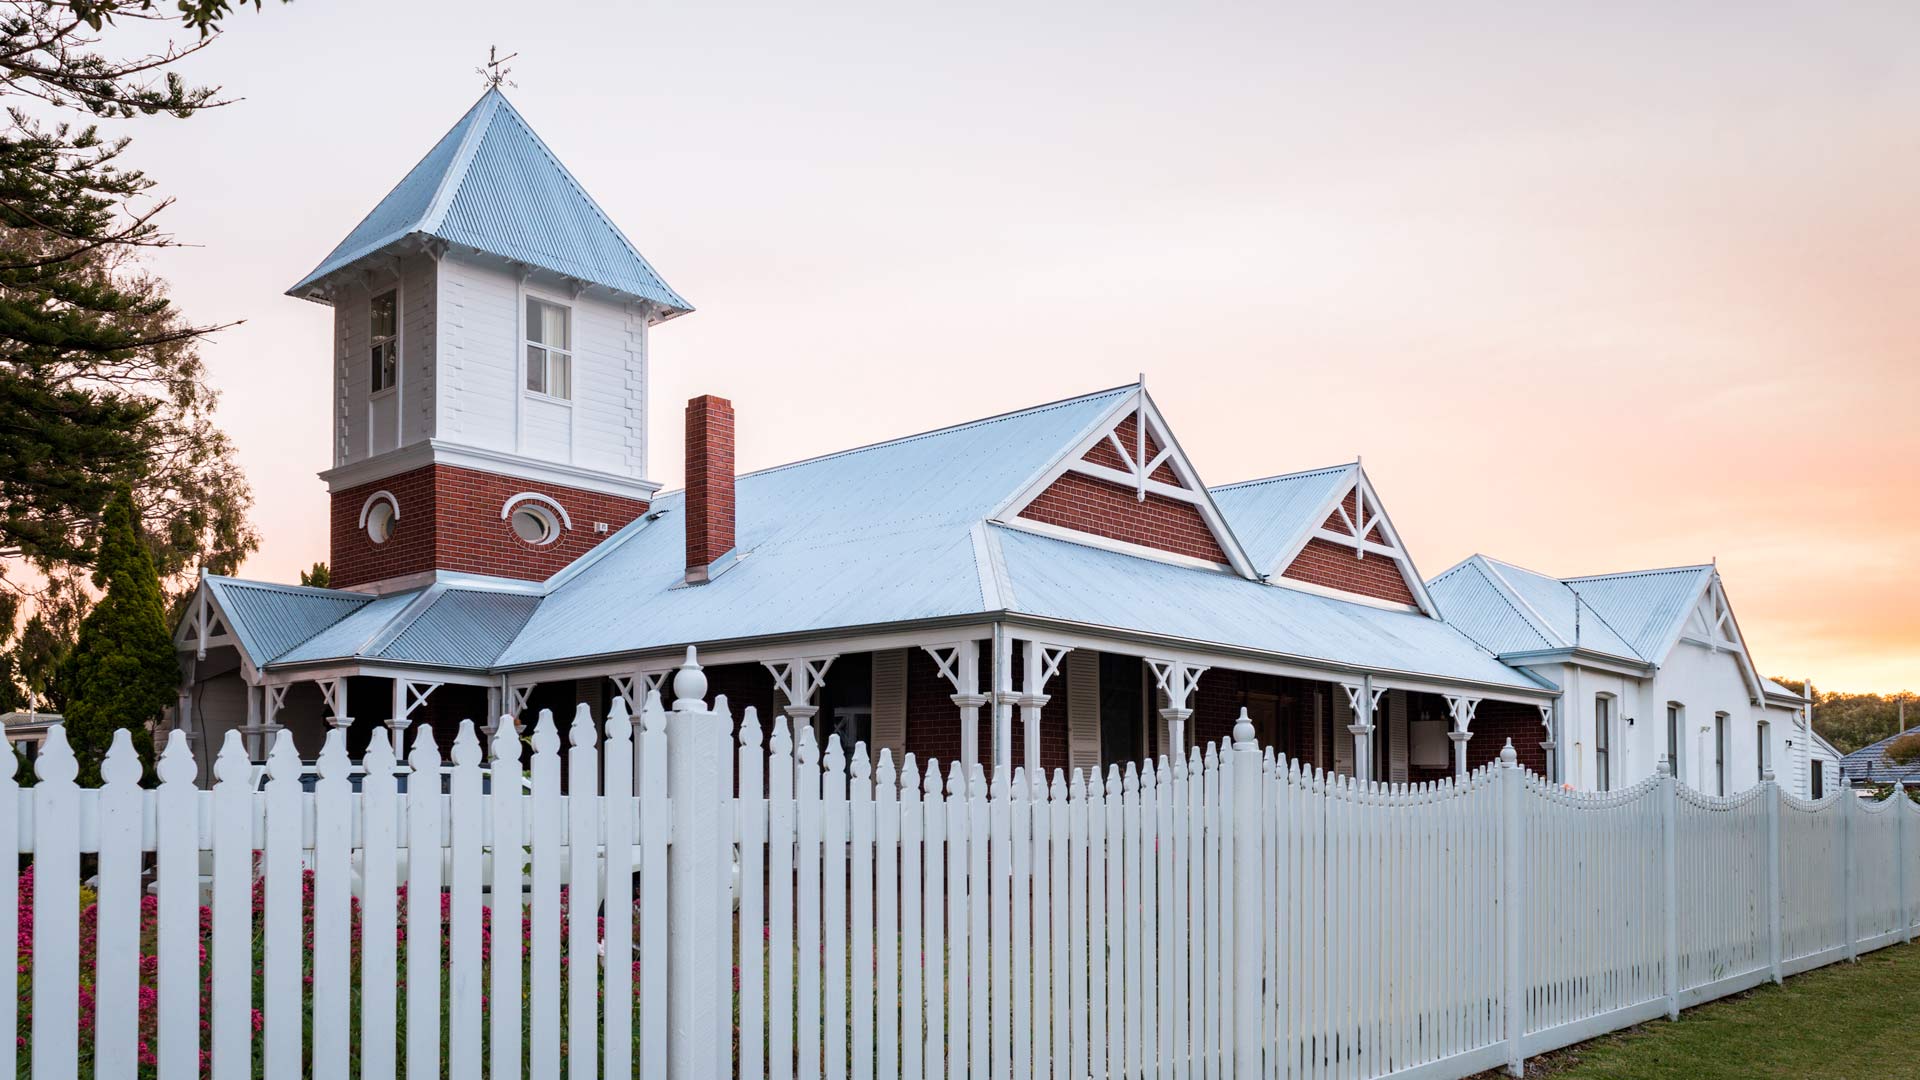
pixel 1126 484
pixel 1327 532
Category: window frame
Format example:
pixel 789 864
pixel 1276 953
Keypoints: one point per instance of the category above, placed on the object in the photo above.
pixel 1760 747
pixel 1603 742
pixel 1676 734
pixel 1720 751
pixel 530 296
pixel 375 341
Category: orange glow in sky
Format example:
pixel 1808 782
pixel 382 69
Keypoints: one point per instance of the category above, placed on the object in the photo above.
pixel 1590 289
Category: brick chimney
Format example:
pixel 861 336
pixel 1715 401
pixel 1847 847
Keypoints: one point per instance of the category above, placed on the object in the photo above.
pixel 709 484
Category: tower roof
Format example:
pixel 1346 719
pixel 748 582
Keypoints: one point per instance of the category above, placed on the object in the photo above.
pixel 491 185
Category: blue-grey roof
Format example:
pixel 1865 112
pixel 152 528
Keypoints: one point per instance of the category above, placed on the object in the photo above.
pixel 350 635
pixel 1510 609
pixel 1870 764
pixel 1272 516
pixel 875 535
pixel 462 628
pixel 490 184
pixel 1064 580
pixel 268 620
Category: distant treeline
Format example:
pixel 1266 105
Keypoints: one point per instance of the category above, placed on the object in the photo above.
pixel 1851 721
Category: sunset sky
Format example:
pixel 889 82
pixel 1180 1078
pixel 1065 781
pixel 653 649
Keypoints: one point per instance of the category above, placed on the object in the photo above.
pixel 1592 288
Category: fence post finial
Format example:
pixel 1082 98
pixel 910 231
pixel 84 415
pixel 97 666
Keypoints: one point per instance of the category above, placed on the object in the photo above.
pixel 1508 756
pixel 690 683
pixel 1243 731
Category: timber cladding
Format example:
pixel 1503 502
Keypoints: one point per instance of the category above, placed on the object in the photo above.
pixel 450 520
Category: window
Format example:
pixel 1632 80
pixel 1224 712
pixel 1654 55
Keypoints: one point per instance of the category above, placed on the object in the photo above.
pixel 378 515
pixel 535 524
pixel 1676 720
pixel 549 349
pixel 383 328
pixel 1720 751
pixel 1602 764
pixel 1819 780
pixel 1760 752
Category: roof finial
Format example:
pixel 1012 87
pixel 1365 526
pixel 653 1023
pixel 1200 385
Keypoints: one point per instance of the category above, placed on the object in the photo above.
pixel 495 70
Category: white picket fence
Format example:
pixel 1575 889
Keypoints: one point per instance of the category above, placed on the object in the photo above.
pixel 778 911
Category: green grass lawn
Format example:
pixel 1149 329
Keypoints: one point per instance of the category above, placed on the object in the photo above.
pixel 1856 1021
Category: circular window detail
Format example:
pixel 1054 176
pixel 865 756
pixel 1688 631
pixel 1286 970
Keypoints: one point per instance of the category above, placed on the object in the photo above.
pixel 378 515
pixel 535 519
pixel 535 525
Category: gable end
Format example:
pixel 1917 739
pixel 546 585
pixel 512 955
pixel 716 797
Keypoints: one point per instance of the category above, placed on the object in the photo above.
pixel 1102 508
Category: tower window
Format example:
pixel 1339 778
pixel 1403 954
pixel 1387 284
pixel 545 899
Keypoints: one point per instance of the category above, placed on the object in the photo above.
pixel 384 326
pixel 549 348
pixel 378 515
pixel 534 518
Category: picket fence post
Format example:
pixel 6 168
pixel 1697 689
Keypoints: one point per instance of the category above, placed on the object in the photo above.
pixel 1849 807
pixel 1772 795
pixel 695 914
pixel 1901 812
pixel 1511 834
pixel 1247 916
pixel 1670 910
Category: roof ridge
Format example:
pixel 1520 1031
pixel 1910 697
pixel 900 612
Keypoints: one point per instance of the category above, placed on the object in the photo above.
pixel 306 590
pixel 1285 476
pixel 1693 568
pixel 456 172
pixel 1534 616
pixel 897 440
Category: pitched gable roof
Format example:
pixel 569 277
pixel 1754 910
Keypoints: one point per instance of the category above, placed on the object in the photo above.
pixel 1648 607
pixel 1511 609
pixel 267 620
pixel 491 185
pixel 1271 514
pixel 1871 764
pixel 1126 481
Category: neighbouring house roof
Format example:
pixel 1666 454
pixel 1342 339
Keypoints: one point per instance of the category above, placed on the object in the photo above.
pixel 1869 764
pixel 491 185
pixel 1513 610
pixel 897 532
pixel 29 720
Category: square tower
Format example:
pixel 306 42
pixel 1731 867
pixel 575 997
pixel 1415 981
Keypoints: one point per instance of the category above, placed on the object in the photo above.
pixel 489 366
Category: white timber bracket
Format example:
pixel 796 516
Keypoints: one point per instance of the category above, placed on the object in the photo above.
pixel 798 679
pixel 334 692
pixel 408 695
pixel 959 664
pixel 634 686
pixel 1039 662
pixel 1177 679
pixel 1462 710
pixel 1364 698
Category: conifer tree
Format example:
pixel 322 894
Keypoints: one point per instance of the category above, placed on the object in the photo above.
pixel 122 671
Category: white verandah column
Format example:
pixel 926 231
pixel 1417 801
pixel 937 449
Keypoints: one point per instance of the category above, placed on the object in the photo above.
pixel 1365 701
pixel 1178 680
pixel 798 679
pixel 1462 709
pixel 1039 663
pixel 959 664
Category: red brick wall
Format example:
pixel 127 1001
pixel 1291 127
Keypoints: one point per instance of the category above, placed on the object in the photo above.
pixel 1086 504
pixel 710 506
pixel 450 520
pixel 1323 562
pixel 1127 431
pixel 1494 722
pixel 933 720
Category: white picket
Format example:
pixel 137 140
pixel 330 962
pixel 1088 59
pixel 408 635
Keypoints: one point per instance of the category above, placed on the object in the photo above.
pixel 979 943
pixel 1039 831
pixel 1020 940
pixel 650 757
pixel 912 954
pixel 232 960
pixel 1094 873
pixel 833 870
pixel 960 967
pixel 887 883
pixel 116 997
pixel 466 842
pixel 1060 996
pixel 936 970
pixel 281 990
pixel 1079 931
pixel 781 823
pixel 861 899
pixel 807 778
pixel 1132 878
pixel 10 899
pixel 1114 862
pixel 583 897
pixel 753 892
pixel 379 840
pixel 56 909
pixel 177 890
pixel 423 907
pixel 505 885
pixel 996 1060
pixel 546 832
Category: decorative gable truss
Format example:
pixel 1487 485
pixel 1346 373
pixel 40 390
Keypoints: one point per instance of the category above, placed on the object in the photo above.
pixel 205 627
pixel 1354 552
pixel 1711 625
pixel 1127 485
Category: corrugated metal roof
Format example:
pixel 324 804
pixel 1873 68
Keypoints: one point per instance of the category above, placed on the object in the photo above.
pixel 1645 606
pixel 1064 580
pixel 1472 600
pixel 490 184
pixel 462 628
pixel 1270 515
pixel 879 534
pixel 1869 763
pixel 347 637
pixel 1570 617
pixel 271 619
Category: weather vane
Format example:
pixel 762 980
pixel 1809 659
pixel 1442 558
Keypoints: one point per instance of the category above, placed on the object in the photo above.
pixel 495 71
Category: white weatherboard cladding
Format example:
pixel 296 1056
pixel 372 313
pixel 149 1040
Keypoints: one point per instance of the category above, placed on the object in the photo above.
pixel 602 427
pixel 367 424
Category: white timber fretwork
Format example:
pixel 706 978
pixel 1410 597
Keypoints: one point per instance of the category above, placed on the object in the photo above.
pixel 1177 679
pixel 634 686
pixel 334 692
pixel 959 664
pixel 1039 662
pixel 1364 698
pixel 1365 529
pixel 1461 709
pixel 1148 448
pixel 409 695
pixel 798 679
